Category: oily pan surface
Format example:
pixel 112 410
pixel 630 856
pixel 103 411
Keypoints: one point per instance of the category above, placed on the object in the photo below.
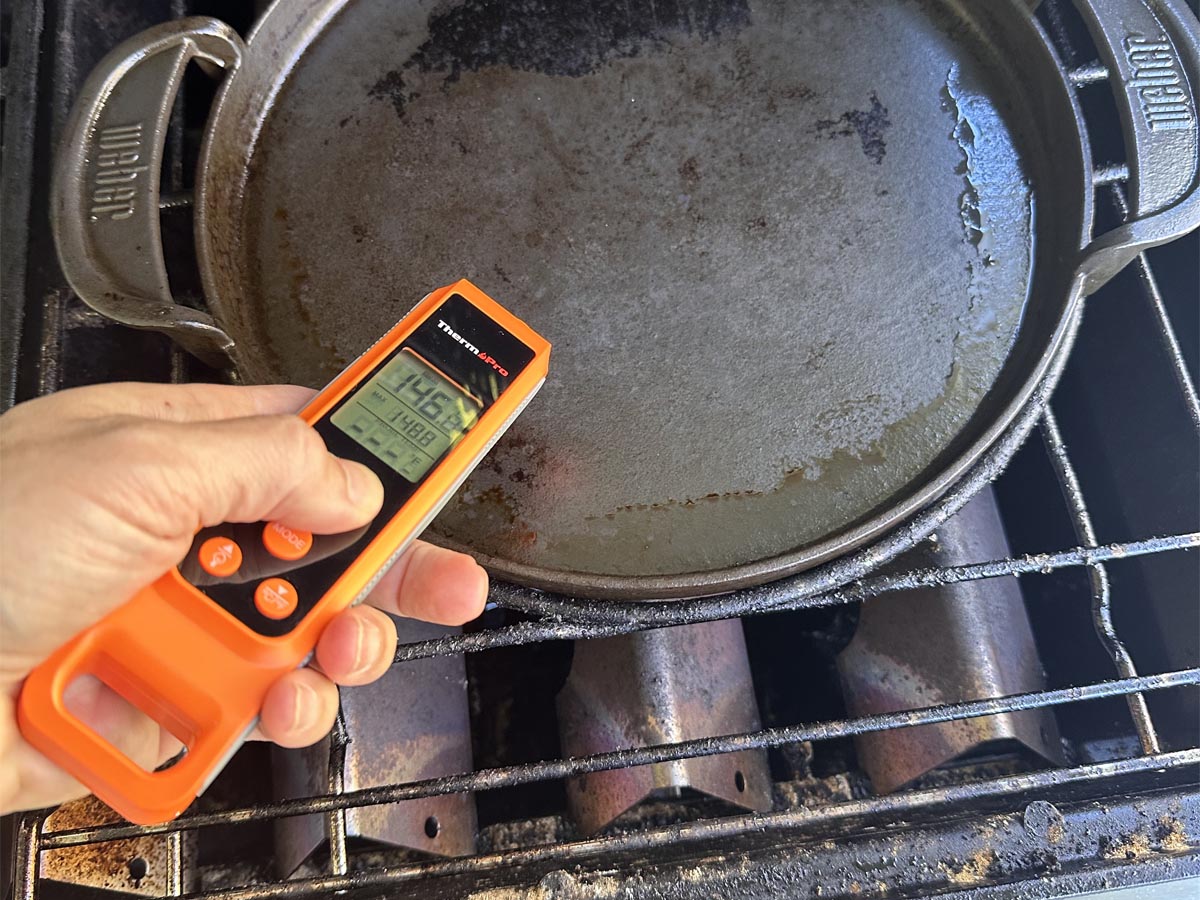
pixel 781 251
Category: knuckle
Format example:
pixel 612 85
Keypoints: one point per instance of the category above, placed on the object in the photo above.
pixel 146 486
pixel 305 448
pixel 297 435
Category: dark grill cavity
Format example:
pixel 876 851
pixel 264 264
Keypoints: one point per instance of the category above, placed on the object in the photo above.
pixel 1099 506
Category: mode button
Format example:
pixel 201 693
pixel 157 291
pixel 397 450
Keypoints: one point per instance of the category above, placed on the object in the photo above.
pixel 287 543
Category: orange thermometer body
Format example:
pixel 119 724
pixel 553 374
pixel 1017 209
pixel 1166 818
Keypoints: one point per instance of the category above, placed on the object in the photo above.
pixel 197 650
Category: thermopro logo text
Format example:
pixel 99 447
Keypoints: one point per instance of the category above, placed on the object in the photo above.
pixel 462 340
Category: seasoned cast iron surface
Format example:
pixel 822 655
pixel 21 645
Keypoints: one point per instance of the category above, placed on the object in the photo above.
pixel 781 253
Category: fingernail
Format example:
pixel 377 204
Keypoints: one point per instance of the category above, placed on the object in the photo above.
pixel 362 485
pixel 304 707
pixel 367 647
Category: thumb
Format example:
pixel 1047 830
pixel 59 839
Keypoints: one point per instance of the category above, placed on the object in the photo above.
pixel 265 468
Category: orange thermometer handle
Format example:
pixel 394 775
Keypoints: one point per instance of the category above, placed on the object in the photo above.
pixel 144 650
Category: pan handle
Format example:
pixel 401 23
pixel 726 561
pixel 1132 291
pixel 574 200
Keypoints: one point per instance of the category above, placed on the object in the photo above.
pixel 105 192
pixel 1151 49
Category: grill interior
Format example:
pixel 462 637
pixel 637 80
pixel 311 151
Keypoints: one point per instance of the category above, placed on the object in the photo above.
pixel 1100 509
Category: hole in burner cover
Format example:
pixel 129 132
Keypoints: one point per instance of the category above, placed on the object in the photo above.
pixel 739 781
pixel 137 868
pixel 432 827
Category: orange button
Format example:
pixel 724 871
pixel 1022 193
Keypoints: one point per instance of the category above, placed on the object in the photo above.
pixel 287 543
pixel 275 598
pixel 220 556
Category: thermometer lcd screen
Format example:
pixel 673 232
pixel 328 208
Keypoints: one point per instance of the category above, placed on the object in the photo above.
pixel 408 414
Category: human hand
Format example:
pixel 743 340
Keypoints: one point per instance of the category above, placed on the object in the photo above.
pixel 101 491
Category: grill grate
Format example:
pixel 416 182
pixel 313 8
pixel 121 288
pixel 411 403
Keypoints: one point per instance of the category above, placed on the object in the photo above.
pixel 63 320
pixel 510 776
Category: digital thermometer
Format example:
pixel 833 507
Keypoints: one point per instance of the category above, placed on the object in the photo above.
pixel 197 650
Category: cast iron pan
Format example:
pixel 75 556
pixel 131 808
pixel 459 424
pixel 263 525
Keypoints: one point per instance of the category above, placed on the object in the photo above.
pixel 802 264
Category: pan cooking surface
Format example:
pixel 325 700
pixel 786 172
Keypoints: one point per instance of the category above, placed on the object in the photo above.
pixel 781 252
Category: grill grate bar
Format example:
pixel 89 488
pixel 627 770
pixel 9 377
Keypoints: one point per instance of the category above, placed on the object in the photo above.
pixel 28 846
pixel 174 864
pixel 533 632
pixel 1102 620
pixel 179 366
pixel 336 819
pixel 1090 73
pixel 1166 328
pixel 1110 174
pixel 509 776
pixel 175 200
pixel 50 351
pixel 821 819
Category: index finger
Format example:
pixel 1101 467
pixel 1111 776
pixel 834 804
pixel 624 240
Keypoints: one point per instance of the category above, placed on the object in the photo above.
pixel 185 402
pixel 433 584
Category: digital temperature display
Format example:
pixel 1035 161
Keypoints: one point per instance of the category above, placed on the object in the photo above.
pixel 408 414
